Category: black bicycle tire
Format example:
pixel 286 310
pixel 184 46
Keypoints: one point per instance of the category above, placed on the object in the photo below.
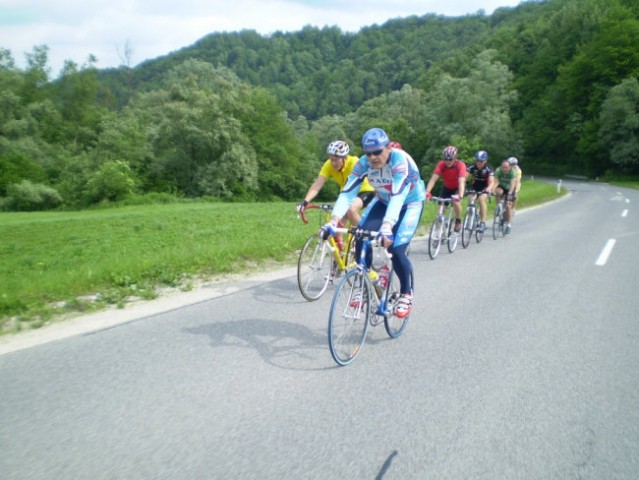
pixel 452 234
pixel 478 235
pixel 353 279
pixel 301 264
pixel 390 302
pixel 433 251
pixel 496 221
pixel 467 234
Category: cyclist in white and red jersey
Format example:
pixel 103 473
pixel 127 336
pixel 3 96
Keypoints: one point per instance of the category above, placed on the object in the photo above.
pixel 396 210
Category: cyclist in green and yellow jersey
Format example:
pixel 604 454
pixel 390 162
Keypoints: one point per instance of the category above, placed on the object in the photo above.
pixel 506 184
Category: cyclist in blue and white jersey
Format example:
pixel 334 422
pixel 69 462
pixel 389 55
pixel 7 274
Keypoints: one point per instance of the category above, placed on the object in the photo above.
pixel 396 209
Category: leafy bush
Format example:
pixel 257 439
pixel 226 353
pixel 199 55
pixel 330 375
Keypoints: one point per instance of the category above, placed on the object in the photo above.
pixel 29 196
pixel 112 182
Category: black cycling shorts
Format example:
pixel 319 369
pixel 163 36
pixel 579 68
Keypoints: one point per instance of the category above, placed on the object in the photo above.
pixel 367 197
pixel 447 192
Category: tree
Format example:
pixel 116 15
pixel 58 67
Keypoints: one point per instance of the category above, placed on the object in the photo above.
pixel 619 125
pixel 474 109
pixel 112 182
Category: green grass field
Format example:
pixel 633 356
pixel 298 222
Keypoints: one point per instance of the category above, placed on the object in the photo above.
pixel 62 262
pixel 628 184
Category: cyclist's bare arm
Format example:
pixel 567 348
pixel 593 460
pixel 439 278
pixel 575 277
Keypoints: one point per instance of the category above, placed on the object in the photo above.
pixel 491 184
pixel 315 188
pixel 431 182
pixel 461 186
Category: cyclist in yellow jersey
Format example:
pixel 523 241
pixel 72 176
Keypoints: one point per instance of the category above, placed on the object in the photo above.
pixel 338 167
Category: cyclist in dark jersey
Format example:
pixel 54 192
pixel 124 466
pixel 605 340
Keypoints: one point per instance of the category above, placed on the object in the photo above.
pixel 482 176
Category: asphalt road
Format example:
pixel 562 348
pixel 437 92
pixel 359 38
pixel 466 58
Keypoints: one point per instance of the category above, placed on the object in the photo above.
pixel 521 361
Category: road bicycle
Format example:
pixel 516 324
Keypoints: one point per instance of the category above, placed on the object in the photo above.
pixel 471 221
pixel 499 224
pixel 321 261
pixel 443 228
pixel 358 302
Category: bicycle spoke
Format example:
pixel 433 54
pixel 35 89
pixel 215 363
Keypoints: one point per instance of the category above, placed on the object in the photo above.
pixel 314 268
pixel 435 238
pixel 348 317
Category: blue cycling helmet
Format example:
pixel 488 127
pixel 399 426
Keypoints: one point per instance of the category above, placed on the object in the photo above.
pixel 374 139
pixel 481 155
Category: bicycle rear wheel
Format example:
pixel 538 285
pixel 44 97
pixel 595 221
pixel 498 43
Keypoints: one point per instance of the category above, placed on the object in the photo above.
pixel 435 238
pixel 394 325
pixel 468 227
pixel 453 236
pixel 349 316
pixel 314 268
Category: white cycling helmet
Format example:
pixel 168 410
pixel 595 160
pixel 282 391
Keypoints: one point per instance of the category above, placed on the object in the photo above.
pixel 338 148
pixel 513 160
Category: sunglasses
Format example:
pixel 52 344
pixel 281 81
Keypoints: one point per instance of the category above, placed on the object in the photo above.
pixel 374 153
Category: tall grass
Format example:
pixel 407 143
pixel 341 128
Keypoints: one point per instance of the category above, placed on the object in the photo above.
pixel 54 262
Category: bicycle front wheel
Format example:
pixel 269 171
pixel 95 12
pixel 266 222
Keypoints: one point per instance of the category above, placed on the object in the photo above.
pixel 453 236
pixel 435 238
pixel 497 223
pixel 349 316
pixel 478 234
pixel 468 227
pixel 394 325
pixel 314 268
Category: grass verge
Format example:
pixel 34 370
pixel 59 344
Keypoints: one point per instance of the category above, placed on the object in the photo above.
pixel 56 263
pixel 633 185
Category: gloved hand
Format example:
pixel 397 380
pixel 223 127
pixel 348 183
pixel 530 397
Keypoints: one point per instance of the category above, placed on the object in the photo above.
pixel 301 206
pixel 428 196
pixel 328 230
pixel 386 231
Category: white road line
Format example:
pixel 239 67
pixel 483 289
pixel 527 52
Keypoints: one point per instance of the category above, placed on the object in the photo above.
pixel 627 200
pixel 624 213
pixel 605 253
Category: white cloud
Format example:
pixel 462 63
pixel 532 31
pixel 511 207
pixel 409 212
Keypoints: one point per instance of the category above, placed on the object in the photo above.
pixel 73 29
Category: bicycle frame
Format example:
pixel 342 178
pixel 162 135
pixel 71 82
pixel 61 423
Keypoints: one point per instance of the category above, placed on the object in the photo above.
pixel 339 254
pixel 442 228
pixel 367 246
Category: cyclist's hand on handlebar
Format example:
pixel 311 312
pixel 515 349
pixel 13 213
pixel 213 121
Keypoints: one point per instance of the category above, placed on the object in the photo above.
pixel 385 235
pixel 300 207
pixel 328 230
pixel 428 196
pixel 455 198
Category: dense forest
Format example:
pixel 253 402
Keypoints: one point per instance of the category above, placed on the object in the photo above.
pixel 243 116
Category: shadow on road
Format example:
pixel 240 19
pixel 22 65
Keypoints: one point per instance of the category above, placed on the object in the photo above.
pixel 282 344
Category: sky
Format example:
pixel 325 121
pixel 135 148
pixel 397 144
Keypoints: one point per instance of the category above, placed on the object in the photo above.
pixel 128 32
